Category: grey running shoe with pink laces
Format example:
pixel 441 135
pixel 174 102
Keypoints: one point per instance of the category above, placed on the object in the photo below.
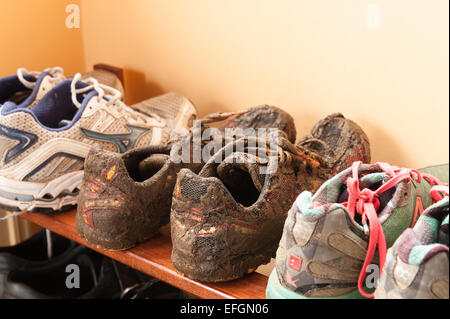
pixel 334 243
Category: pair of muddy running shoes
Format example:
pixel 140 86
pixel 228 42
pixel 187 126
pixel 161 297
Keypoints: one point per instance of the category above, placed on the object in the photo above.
pixel 226 195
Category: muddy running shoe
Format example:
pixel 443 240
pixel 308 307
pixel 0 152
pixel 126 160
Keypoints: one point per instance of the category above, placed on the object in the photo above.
pixel 27 88
pixel 125 198
pixel 195 147
pixel 203 140
pixel 339 142
pixel 228 219
pixel 225 220
pixel 417 265
pixel 42 149
pixel 264 116
pixel 329 239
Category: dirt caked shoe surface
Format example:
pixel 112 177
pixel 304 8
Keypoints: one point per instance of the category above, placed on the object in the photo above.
pixel 417 264
pixel 224 220
pixel 228 219
pixel 196 146
pixel 339 141
pixel 256 118
pixel 264 116
pixel 125 198
pixel 330 240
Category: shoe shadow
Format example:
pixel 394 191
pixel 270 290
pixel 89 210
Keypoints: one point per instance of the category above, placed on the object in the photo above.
pixel 305 121
pixel 384 147
pixel 137 88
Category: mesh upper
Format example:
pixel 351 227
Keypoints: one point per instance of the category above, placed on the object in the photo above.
pixel 26 122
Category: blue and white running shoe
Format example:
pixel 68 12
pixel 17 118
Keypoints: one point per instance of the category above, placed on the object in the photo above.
pixel 42 148
pixel 27 88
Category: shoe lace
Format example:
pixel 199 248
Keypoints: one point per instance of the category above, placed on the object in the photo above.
pixel 220 116
pixel 204 121
pixel 286 151
pixel 366 203
pixel 309 139
pixel 110 98
pixel 283 148
pixel 436 191
pixel 56 73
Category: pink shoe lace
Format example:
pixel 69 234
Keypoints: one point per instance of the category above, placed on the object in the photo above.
pixel 366 203
pixel 437 190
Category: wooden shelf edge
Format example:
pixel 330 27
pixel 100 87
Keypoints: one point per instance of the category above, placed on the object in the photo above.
pixel 153 258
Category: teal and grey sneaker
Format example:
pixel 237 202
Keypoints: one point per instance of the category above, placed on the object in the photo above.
pixel 330 239
pixel 417 265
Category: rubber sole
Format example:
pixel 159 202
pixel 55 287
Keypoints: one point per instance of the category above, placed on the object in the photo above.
pixel 47 197
pixel 100 237
pixel 59 204
pixel 250 271
pixel 275 290
pixel 211 270
pixel 105 244
pixel 102 248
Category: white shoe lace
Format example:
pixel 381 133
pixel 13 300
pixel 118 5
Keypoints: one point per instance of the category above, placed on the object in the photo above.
pixel 57 73
pixel 112 102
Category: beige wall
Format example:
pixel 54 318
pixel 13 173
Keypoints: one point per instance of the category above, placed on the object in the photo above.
pixel 311 57
pixel 34 36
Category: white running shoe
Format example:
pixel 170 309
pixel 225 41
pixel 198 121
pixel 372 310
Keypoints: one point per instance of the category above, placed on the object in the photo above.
pixel 27 88
pixel 42 149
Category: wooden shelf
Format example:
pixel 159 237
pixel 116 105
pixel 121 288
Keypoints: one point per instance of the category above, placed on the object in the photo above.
pixel 153 258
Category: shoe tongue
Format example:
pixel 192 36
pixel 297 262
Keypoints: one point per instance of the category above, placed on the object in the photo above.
pixel 238 164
